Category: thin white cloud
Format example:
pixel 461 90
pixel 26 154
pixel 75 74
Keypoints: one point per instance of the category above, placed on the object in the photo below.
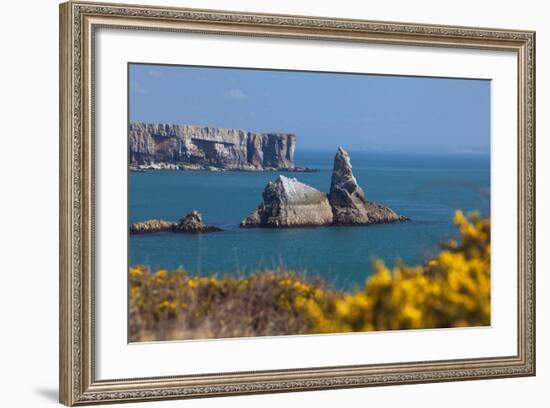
pixel 140 89
pixel 154 73
pixel 235 95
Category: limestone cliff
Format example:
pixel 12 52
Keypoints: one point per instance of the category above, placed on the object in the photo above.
pixel 188 147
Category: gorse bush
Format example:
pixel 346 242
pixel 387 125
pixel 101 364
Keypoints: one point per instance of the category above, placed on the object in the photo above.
pixel 173 305
pixel 450 290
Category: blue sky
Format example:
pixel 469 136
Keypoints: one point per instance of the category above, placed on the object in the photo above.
pixel 360 112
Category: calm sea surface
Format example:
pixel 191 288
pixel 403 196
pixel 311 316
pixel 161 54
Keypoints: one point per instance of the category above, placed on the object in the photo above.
pixel 426 188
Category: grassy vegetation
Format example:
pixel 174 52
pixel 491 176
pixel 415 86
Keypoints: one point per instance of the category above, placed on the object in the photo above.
pixel 450 290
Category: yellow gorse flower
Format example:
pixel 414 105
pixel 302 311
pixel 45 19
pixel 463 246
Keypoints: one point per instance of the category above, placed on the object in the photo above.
pixel 160 276
pixel 167 305
pixel 137 271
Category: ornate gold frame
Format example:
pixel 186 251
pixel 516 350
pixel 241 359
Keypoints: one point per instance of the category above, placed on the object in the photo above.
pixel 78 22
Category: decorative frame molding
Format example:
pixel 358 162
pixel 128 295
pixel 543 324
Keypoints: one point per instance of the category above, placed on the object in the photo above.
pixel 78 22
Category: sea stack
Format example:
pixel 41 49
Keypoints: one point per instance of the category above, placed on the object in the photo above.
pixel 290 203
pixel 348 201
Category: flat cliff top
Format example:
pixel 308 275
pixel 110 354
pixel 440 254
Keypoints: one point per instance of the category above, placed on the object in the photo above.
pixel 159 126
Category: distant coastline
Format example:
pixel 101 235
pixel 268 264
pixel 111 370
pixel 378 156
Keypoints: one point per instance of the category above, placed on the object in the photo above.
pixel 168 146
pixel 142 167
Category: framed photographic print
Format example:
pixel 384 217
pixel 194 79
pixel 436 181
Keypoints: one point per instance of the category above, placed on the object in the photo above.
pixel 256 203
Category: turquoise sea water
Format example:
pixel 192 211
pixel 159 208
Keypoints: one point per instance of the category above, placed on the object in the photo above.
pixel 425 188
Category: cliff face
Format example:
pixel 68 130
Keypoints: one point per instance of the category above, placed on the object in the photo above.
pixel 188 146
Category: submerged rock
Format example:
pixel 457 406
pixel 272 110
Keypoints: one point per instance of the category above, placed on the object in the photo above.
pixel 190 224
pixel 290 203
pixel 348 201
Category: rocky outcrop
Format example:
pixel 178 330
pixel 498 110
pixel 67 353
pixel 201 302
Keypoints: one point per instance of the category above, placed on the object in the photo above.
pixel 151 226
pixel 188 147
pixel 289 203
pixel 378 214
pixel 190 224
pixel 348 201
